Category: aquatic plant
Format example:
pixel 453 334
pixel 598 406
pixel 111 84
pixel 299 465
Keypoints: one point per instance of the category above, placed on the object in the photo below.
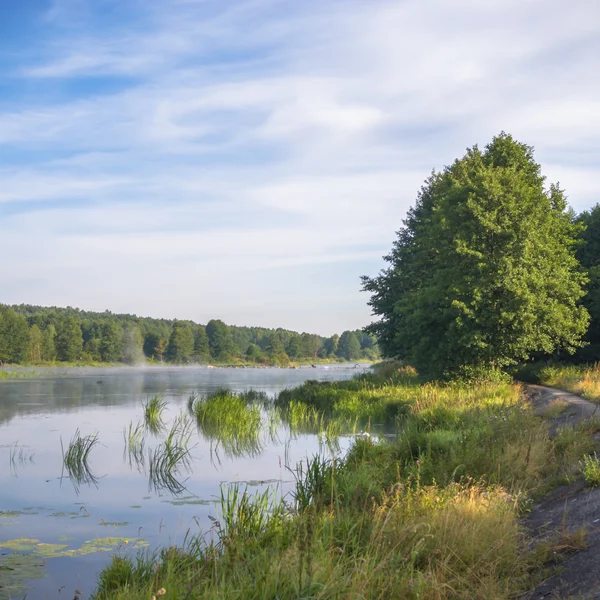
pixel 19 456
pixel 135 443
pixel 153 411
pixel 231 420
pixel 76 458
pixel 170 459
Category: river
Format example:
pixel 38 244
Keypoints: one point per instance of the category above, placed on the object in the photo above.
pixel 56 533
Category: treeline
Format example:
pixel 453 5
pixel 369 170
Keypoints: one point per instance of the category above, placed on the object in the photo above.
pixel 38 335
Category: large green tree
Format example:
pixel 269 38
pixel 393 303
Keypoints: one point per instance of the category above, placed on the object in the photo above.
pixel 201 349
pixel 181 343
pixel 111 344
pixel 588 253
pixel 483 273
pixel 220 341
pixel 14 336
pixel 69 339
pixel 348 346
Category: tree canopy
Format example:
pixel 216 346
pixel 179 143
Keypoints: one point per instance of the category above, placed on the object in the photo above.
pixel 589 254
pixel 483 273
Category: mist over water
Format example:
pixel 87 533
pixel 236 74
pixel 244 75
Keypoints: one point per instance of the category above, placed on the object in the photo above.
pixel 80 523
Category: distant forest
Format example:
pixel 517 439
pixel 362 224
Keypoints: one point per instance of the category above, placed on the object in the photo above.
pixel 45 335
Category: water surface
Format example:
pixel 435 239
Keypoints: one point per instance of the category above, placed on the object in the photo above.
pixel 55 533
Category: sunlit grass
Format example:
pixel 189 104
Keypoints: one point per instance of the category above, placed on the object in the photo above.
pixel 584 381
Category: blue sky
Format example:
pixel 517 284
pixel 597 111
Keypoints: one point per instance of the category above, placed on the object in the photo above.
pixel 250 160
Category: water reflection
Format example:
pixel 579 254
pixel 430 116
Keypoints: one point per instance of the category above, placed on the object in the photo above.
pixel 137 483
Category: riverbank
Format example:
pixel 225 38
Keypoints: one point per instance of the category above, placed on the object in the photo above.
pixel 433 512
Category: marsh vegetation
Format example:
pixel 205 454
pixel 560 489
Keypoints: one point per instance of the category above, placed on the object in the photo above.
pixel 429 512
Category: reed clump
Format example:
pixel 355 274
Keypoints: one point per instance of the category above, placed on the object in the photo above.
pixel 171 460
pixel 76 458
pixel 153 413
pixel 233 420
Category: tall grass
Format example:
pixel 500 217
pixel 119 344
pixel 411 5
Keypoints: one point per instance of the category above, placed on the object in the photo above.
pixel 431 514
pixel 153 413
pixel 243 517
pixel 582 380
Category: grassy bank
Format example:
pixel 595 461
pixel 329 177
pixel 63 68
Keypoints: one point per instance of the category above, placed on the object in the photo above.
pixel 432 513
pixel 579 379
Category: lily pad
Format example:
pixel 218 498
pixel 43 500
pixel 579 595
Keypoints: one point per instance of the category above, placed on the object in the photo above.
pixel 45 550
pixel 15 571
pixel 189 500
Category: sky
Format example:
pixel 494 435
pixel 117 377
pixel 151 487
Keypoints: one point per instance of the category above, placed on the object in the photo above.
pixel 250 160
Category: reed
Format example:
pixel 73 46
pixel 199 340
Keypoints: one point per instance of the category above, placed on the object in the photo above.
pixel 171 459
pixel 76 458
pixel 231 420
pixel 135 444
pixel 153 414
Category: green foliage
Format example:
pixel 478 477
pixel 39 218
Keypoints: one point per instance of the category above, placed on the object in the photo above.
pixel 69 339
pixel 348 346
pixel 153 410
pixel 36 342
pixel 220 341
pixel 233 420
pixel 48 346
pixel 171 459
pixel 483 273
pixel 111 345
pixel 76 458
pixel 255 354
pixel 14 336
pixel 181 343
pixel 590 467
pixel 588 253
pixel 201 349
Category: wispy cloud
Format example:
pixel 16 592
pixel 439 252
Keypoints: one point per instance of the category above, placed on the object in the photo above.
pixel 232 156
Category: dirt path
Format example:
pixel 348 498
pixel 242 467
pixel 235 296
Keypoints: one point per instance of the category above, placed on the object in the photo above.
pixel 568 509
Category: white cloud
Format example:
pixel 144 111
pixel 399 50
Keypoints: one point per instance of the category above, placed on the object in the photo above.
pixel 253 146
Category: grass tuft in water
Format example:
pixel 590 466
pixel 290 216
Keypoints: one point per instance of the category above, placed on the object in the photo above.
pixel 135 443
pixel 153 413
pixel 171 459
pixel 230 419
pixel 76 458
